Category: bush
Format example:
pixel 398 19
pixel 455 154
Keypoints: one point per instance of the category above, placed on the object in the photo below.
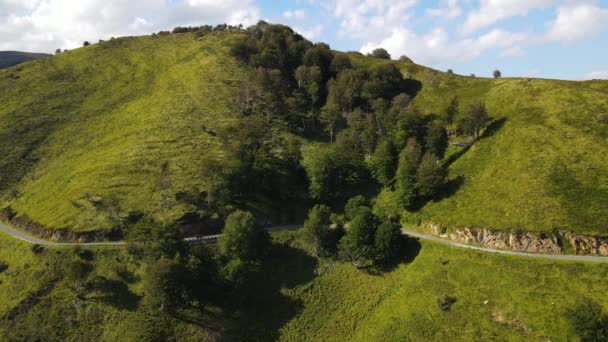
pixel 445 303
pixel 405 58
pixel 3 266
pixel 37 249
pixel 588 321
pixel 316 229
pixel 353 206
pixel 242 239
pixel 381 53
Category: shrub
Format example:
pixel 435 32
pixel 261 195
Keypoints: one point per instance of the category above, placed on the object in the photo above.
pixel 36 248
pixel 405 58
pixel 445 302
pixel 588 321
pixel 381 53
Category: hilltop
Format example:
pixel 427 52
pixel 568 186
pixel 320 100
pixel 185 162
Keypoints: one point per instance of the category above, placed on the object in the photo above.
pixel 11 58
pixel 165 126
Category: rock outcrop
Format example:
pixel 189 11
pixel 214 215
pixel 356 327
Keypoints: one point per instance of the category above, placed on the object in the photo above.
pixel 531 242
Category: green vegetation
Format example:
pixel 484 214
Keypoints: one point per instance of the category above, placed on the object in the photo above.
pixel 435 292
pixel 185 127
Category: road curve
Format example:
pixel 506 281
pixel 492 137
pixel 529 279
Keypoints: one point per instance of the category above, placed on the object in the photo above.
pixel 211 238
pixel 18 234
pixel 586 258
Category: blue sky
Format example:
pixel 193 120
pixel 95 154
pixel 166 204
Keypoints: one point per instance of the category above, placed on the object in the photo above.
pixel 538 38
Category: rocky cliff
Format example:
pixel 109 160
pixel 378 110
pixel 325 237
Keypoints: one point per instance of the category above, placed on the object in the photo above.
pixel 545 243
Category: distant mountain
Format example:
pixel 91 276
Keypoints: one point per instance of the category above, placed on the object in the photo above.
pixel 10 58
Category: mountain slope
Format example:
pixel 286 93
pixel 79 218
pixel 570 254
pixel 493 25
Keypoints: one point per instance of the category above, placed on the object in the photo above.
pixel 128 125
pixel 11 58
pixel 102 121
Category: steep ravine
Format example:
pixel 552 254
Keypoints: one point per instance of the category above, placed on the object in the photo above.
pixel 560 242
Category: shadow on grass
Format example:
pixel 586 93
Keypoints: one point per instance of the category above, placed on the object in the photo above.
pixel 264 309
pixel 492 128
pixel 410 249
pixel 115 293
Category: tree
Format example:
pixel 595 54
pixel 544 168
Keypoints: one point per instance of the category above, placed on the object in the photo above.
pixel 241 238
pixel 436 138
pixel 450 71
pixel 321 56
pixel 430 176
pixel 214 171
pixel 354 205
pixel 340 63
pixel 309 82
pixel 316 229
pixel 76 272
pixel 405 58
pixel 58 51
pixel 383 163
pixel 497 74
pixel 387 241
pixel 155 238
pixel 451 111
pixel 409 160
pixel 381 53
pixel 410 125
pixel 357 246
pixel 332 119
pixel 479 117
pixel 384 81
pixel 386 205
pixel 86 43
pixel 163 285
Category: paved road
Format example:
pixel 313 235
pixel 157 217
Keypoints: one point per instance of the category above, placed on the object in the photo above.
pixel 18 234
pixel 211 238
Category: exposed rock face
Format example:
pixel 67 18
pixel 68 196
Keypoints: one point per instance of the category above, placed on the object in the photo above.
pixel 586 245
pixel 544 243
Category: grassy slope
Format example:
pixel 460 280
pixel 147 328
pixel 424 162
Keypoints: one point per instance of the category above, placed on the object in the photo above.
pixel 287 301
pixel 116 315
pixel 103 119
pixel 526 299
pixel 542 168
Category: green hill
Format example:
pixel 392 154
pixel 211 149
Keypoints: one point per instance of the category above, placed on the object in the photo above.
pixel 141 125
pixel 11 58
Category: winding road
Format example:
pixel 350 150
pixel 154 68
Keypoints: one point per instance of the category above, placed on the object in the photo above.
pixel 210 238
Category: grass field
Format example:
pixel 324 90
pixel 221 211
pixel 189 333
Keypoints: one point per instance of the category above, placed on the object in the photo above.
pixel 97 124
pixel 526 299
pixel 296 297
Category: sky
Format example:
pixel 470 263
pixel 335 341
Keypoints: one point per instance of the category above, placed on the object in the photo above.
pixel 563 39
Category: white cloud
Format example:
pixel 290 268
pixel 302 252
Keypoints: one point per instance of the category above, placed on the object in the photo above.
pixel 577 21
pixel 598 74
pixel 451 10
pixel 44 25
pixel 312 32
pixel 492 11
pixel 294 15
pixel 434 47
pixel 369 19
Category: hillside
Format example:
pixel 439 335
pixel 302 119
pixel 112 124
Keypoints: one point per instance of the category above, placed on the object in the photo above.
pixel 11 58
pixel 131 127
pixel 526 300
